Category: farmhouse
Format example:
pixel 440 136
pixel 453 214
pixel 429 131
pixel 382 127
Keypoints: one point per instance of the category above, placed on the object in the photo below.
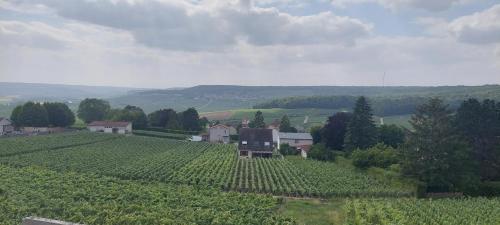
pixel 5 126
pixel 255 142
pixel 301 141
pixel 220 133
pixel 110 127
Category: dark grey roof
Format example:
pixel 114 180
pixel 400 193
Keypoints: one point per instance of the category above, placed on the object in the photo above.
pixel 296 136
pixel 256 138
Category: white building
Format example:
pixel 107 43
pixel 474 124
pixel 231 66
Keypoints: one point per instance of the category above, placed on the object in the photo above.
pixel 301 141
pixel 5 126
pixel 220 133
pixel 110 127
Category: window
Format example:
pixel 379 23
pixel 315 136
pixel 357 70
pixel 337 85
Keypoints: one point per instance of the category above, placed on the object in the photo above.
pixel 267 143
pixel 244 142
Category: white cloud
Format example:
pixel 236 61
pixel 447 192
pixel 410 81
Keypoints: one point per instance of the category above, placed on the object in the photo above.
pixel 429 5
pixel 478 28
pixel 262 46
pixel 179 25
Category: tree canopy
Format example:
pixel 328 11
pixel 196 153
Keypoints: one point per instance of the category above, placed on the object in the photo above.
pixel 166 118
pixel 191 120
pixel 132 114
pixel 334 131
pixel 479 123
pixel 285 125
pixel 391 135
pixel 434 154
pixel 361 130
pixel 59 114
pixel 34 115
pixel 92 109
pixel 258 121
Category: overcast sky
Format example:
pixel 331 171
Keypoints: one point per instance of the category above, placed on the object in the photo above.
pixel 174 43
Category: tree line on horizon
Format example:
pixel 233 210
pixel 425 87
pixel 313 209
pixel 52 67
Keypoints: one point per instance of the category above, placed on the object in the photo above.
pixel 381 106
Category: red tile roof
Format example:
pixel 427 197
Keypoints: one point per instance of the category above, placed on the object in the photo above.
pixel 109 123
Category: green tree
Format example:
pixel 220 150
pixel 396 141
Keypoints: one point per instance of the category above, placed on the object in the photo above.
pixel 258 121
pixel 132 114
pixel 59 114
pixel 379 155
pixel 479 124
pixel 285 125
pixel 92 109
pixel 361 130
pixel 16 115
pixel 316 133
pixel 434 154
pixel 166 118
pixel 334 131
pixel 34 115
pixel 320 152
pixel 191 120
pixel 391 135
pixel 286 149
pixel 204 122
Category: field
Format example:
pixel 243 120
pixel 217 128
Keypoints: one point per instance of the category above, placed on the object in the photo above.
pixel 300 118
pixel 112 179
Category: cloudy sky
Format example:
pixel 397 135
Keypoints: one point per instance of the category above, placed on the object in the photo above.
pixel 173 43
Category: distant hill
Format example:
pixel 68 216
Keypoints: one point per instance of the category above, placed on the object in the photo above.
pixel 209 98
pixel 57 92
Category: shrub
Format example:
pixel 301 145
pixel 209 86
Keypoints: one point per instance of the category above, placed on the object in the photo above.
pixel 286 149
pixel 378 156
pixel 320 152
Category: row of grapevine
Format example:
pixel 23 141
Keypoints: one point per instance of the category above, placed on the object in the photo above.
pixel 467 211
pixel 342 180
pixel 212 168
pixel 214 165
pixel 128 157
pixel 269 175
pixel 98 200
pixel 23 145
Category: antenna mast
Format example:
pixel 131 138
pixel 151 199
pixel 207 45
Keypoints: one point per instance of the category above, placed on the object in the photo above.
pixel 383 106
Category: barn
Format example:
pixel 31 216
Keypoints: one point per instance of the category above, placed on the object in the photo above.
pixel 115 127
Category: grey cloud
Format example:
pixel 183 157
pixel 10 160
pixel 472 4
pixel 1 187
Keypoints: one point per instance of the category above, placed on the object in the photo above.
pixel 177 25
pixel 479 28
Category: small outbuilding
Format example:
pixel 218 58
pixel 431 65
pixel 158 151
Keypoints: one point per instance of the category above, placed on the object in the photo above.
pixel 6 126
pixel 301 141
pixel 255 142
pixel 114 127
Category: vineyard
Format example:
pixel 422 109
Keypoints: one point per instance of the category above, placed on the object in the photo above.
pixel 215 165
pixel 112 179
pixel 125 157
pixel 338 180
pixel 89 199
pixel 21 145
pixel 423 212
